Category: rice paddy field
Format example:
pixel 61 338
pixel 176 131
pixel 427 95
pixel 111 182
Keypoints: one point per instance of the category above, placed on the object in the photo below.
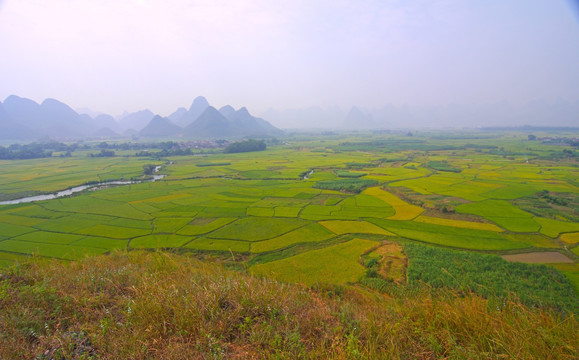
pixel 478 193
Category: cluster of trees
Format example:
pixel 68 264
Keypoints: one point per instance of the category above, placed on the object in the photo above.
pixel 28 153
pixel 35 150
pixel 169 145
pixel 558 155
pixel 103 153
pixel 443 166
pixel 149 169
pixel 246 146
pixel 552 199
pixel 348 185
pixel 347 174
pixel 174 152
pixel 569 152
pixel 45 149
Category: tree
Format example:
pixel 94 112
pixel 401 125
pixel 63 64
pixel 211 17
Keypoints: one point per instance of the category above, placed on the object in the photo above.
pixel 245 146
pixel 149 169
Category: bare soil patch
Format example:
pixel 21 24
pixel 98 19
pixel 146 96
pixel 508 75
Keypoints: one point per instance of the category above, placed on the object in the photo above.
pixel 545 257
pixel 393 262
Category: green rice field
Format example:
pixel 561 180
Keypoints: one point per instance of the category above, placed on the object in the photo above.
pixel 450 193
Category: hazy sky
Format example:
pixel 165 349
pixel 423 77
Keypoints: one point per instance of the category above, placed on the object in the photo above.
pixel 112 55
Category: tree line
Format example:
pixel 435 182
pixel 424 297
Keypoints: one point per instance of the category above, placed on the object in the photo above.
pixel 245 146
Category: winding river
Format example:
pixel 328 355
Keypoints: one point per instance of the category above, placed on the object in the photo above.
pixel 76 189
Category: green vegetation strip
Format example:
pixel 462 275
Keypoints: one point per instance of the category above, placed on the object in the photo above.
pixel 348 174
pixel 349 185
pixel 490 276
pixel 213 164
pixel 443 166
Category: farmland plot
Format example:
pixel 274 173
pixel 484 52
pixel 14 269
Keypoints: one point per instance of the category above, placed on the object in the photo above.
pixel 449 193
pixel 336 264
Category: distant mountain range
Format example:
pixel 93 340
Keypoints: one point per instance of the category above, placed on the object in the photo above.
pixel 499 114
pixel 24 119
pixel 160 127
pixel 204 121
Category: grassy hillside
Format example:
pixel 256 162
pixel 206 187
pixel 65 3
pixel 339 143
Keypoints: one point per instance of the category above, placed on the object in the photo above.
pixel 141 305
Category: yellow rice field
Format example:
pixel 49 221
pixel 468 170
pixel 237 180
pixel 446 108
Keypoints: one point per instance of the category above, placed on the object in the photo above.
pixel 570 238
pixel 458 223
pixel 354 227
pixel 404 211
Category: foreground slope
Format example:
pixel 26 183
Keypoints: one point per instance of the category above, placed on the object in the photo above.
pixel 159 305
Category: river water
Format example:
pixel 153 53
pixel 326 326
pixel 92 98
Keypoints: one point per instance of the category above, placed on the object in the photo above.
pixel 76 189
pixel 306 176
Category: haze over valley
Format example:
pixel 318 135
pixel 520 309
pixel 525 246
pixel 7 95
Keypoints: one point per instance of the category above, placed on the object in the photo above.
pixel 23 119
pixel 321 64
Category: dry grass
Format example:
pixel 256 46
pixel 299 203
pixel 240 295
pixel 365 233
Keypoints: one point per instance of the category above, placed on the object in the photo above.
pixel 142 305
